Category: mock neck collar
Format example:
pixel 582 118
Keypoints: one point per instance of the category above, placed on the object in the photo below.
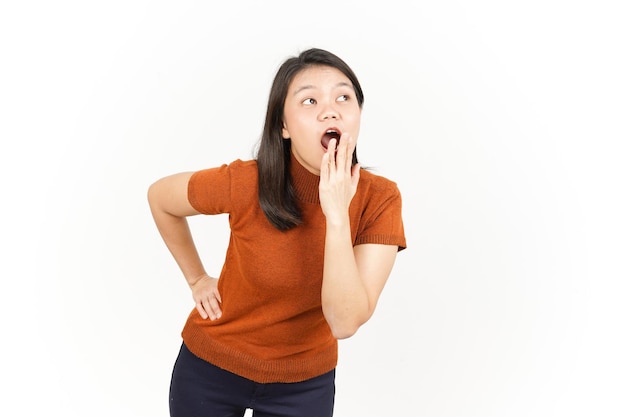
pixel 305 183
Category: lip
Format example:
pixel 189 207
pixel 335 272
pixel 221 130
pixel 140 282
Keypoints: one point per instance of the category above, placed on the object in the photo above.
pixel 328 134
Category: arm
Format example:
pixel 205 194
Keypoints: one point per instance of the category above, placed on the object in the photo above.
pixel 353 281
pixel 170 207
pixel 353 278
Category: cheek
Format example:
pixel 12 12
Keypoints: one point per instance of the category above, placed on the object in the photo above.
pixel 355 125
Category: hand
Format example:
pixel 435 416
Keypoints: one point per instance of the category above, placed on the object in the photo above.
pixel 338 179
pixel 207 297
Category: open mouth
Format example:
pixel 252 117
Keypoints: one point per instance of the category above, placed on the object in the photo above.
pixel 330 134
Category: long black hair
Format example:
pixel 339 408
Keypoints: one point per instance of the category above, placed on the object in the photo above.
pixel 276 193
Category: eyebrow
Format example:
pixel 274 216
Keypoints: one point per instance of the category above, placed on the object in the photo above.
pixel 310 87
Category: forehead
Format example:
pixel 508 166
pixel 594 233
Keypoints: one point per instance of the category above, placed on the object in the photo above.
pixel 318 77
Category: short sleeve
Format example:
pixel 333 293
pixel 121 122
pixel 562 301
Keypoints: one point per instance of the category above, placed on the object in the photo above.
pixel 381 221
pixel 208 190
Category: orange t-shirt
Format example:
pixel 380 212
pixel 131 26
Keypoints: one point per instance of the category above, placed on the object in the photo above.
pixel 272 327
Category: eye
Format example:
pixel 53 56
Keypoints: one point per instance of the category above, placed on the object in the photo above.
pixel 309 101
pixel 343 97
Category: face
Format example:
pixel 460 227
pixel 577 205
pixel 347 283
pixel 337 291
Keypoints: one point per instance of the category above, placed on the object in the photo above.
pixel 319 99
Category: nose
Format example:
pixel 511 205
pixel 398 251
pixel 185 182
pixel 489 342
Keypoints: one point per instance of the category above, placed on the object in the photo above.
pixel 328 112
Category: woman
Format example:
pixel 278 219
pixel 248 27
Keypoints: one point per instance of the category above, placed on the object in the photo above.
pixel 313 240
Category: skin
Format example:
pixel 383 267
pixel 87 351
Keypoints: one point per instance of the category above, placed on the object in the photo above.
pixel 353 277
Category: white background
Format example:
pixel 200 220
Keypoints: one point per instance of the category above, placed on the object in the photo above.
pixel 501 122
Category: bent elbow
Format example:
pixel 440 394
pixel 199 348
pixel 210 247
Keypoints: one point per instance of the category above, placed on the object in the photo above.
pixel 343 334
pixel 150 195
pixel 344 331
pixel 345 326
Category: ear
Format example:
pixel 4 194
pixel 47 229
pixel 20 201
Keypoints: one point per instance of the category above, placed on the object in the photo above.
pixel 286 134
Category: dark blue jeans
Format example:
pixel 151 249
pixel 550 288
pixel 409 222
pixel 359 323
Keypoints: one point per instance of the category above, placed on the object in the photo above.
pixel 200 389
